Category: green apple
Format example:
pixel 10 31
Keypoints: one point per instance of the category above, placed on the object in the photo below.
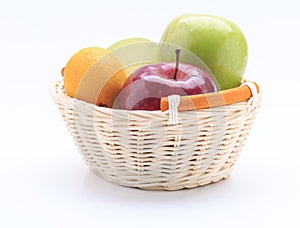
pixel 217 41
pixel 128 45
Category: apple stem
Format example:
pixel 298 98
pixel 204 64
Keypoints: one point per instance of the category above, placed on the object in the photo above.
pixel 177 51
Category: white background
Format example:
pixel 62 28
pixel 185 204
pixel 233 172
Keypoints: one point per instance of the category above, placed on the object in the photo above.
pixel 44 181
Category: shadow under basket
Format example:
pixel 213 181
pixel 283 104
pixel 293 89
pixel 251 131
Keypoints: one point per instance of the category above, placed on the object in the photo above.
pixel 161 150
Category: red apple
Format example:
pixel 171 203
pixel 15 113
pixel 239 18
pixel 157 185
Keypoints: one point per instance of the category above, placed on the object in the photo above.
pixel 147 85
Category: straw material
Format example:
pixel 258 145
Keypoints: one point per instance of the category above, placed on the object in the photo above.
pixel 140 149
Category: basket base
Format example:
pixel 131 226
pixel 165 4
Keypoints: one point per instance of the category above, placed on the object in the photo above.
pixel 162 188
pixel 166 187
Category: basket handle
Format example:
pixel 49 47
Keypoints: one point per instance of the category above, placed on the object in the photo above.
pixel 173 101
pixel 209 100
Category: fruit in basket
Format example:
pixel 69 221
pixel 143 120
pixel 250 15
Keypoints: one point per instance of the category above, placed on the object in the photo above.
pixel 129 50
pixel 217 41
pixel 94 75
pixel 148 84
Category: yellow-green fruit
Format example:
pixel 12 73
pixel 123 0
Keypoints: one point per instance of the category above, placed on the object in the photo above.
pixel 126 48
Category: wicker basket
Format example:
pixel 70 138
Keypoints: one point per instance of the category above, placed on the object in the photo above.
pixel 143 149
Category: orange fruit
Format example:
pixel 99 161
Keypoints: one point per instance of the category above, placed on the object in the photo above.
pixel 94 75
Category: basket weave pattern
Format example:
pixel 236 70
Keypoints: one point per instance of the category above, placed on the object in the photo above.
pixel 139 148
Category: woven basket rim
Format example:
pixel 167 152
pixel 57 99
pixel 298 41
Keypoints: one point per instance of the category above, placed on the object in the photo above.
pixel 57 89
